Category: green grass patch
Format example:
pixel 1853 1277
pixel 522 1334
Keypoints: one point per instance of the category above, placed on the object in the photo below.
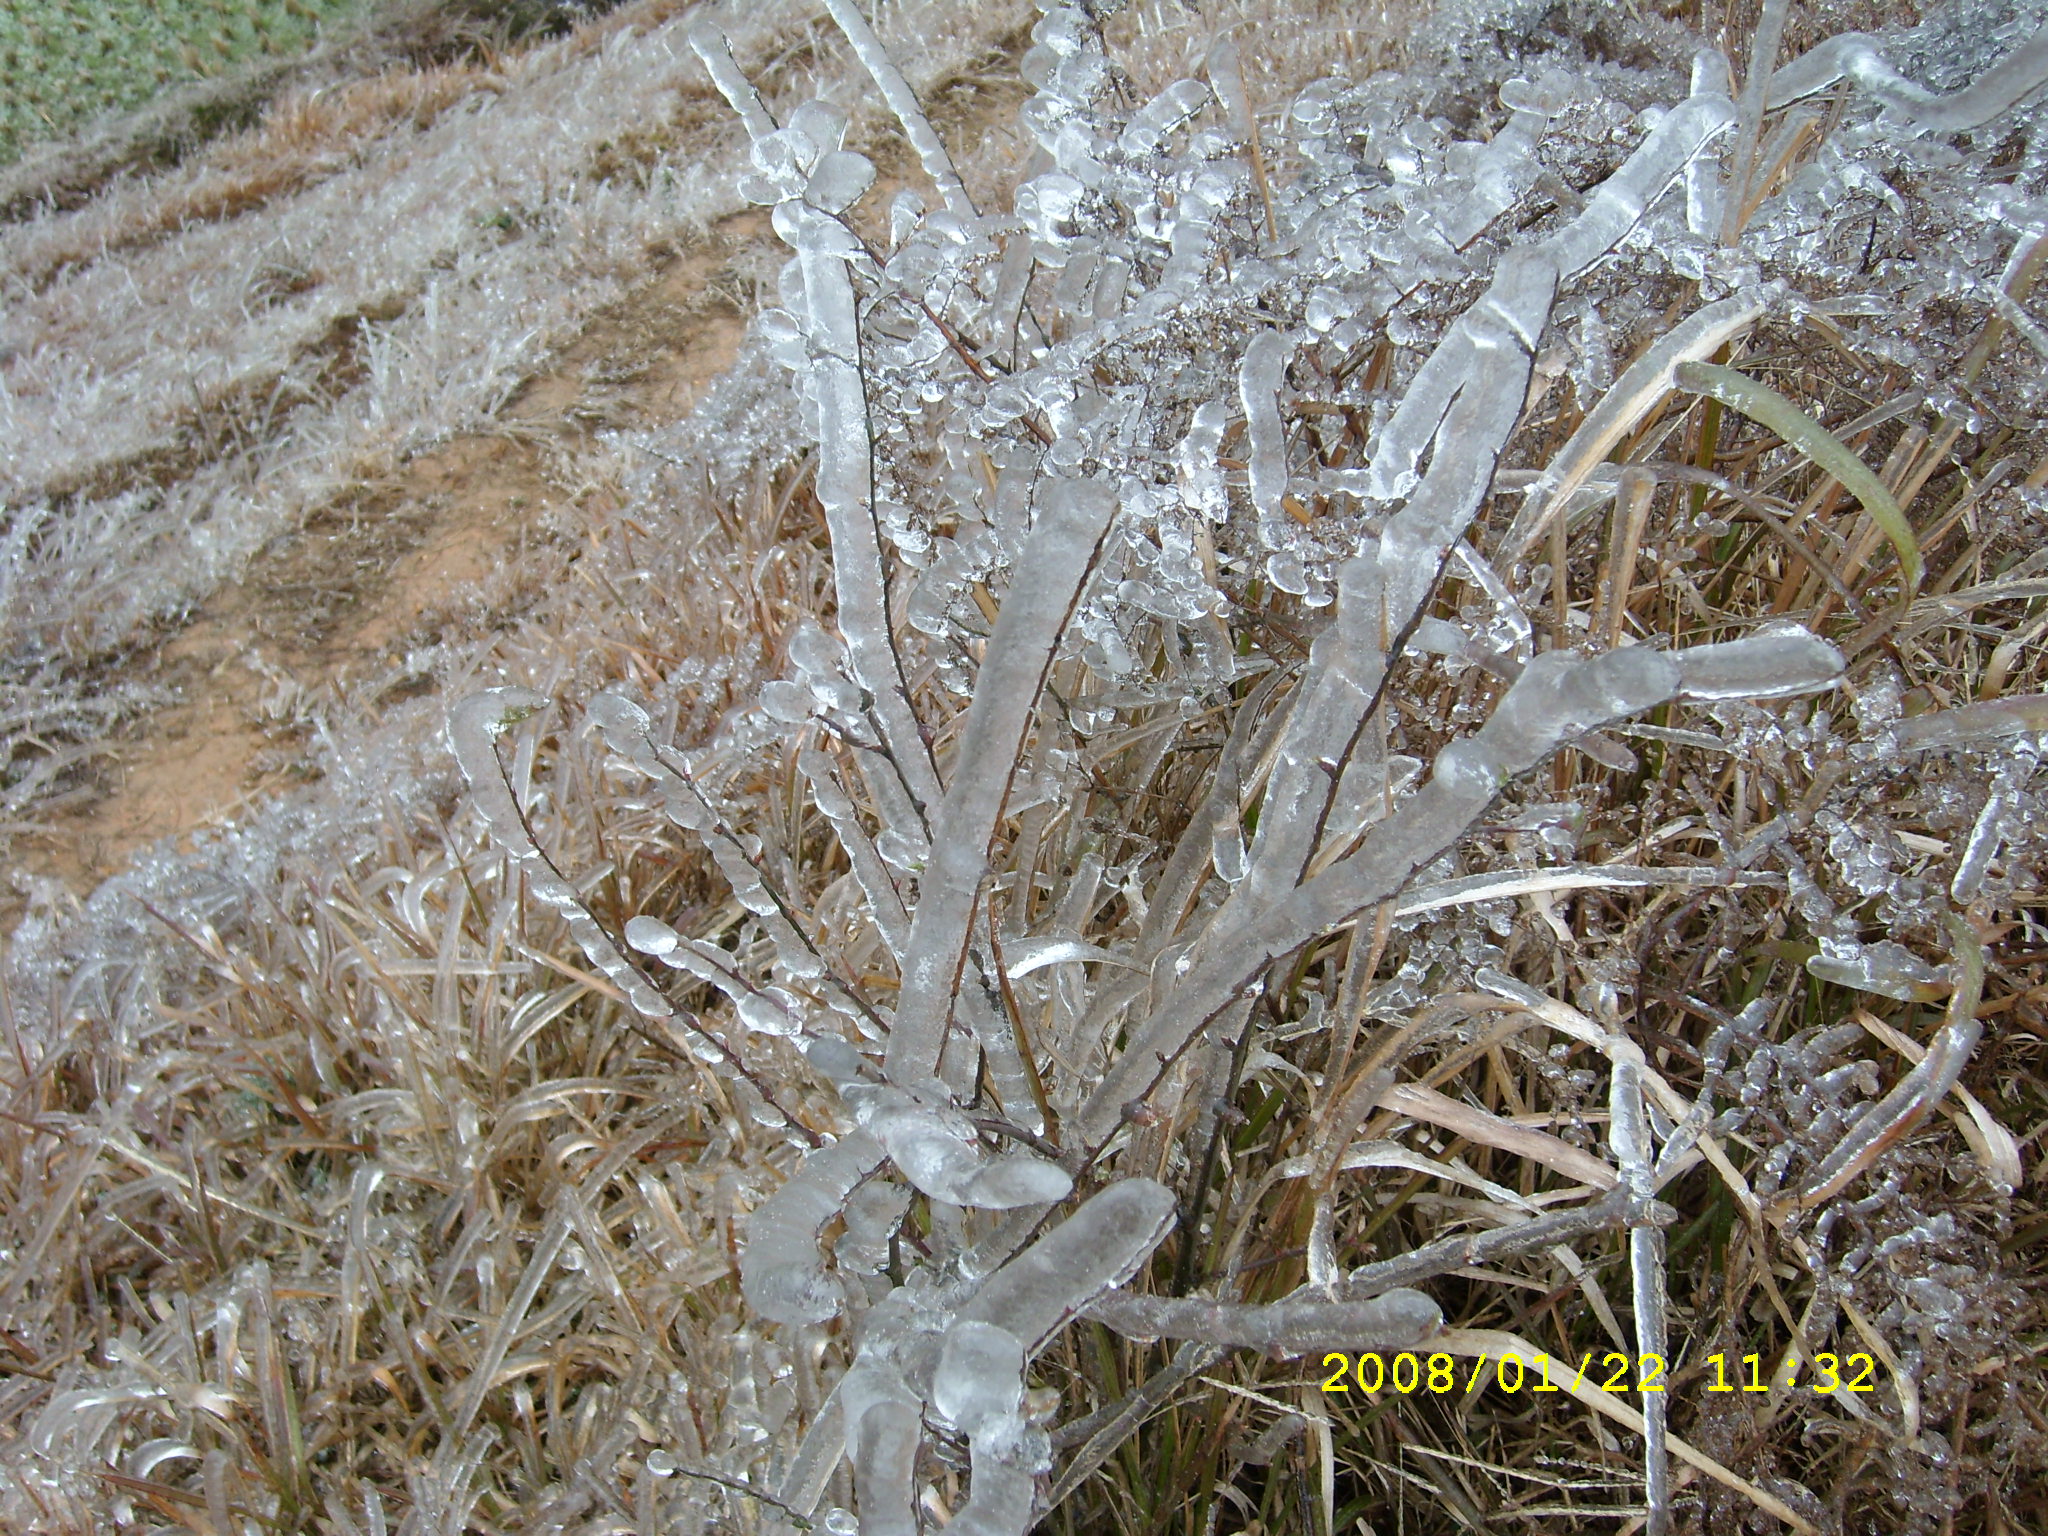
pixel 67 62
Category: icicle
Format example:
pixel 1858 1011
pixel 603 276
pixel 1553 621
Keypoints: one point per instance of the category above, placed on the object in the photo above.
pixel 1987 834
pixel 1260 377
pixel 1201 478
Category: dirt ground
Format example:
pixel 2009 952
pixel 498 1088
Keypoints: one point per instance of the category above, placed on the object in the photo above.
pixel 325 619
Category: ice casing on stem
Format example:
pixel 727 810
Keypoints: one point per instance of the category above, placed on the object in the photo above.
pixel 1065 537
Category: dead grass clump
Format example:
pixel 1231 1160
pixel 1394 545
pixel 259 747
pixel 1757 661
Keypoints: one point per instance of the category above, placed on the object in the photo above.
pixel 1440 720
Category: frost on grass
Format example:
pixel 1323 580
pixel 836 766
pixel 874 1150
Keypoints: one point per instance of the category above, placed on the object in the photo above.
pixel 1211 809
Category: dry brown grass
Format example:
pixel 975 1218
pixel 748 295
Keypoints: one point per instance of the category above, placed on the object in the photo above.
pixel 336 1193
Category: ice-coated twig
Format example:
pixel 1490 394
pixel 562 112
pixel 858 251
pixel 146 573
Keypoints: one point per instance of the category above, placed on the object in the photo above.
pixel 782 1268
pixel 885 901
pixel 2022 714
pixel 474 726
pixel 1623 198
pixel 1893 1118
pixel 1558 696
pixel 1098 1247
pixel 846 486
pixel 711 46
pixel 1853 55
pixel 1394 1319
pixel 627 731
pixel 978 1386
pixel 896 91
pixel 883 1448
pixel 1773 663
pixel 1073 516
pixel 1537 1235
pixel 770 1010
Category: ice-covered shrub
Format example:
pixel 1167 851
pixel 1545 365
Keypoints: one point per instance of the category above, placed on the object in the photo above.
pixel 1227 535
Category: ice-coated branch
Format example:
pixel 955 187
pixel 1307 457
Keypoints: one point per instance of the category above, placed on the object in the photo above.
pixel 1098 1247
pixel 846 486
pixel 474 726
pixel 1395 1319
pixel 710 45
pixel 1537 1235
pixel 978 1386
pixel 896 91
pixel 782 1268
pixel 1559 696
pixel 1065 537
pixel 1623 198
pixel 1853 55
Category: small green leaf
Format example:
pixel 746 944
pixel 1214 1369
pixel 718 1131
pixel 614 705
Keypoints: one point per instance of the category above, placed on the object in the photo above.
pixel 1765 406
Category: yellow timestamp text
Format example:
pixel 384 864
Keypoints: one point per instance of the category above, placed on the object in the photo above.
pixel 1409 1372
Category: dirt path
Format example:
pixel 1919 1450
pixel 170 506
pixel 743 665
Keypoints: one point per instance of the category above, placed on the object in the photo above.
pixel 323 622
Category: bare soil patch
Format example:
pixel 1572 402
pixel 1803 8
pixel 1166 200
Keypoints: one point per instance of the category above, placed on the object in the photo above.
pixel 322 623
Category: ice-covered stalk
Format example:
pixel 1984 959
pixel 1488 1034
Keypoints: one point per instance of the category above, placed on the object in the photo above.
pixel 1073 516
pixel 1851 54
pixel 782 1269
pixel 896 91
pixel 1396 1319
pixel 474 726
pixel 1098 1247
pixel 1559 696
pixel 1628 1134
